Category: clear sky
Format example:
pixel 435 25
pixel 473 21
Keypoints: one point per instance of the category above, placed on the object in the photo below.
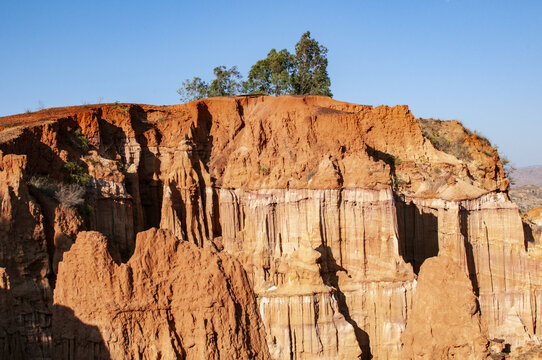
pixel 471 60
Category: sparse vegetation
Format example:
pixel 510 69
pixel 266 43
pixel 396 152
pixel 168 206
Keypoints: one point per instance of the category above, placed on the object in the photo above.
pixel 423 159
pixel 263 170
pixel 395 160
pixel 69 195
pixel 481 137
pixel 44 184
pixel 79 140
pixel 508 168
pixel 77 173
pixel 121 109
pixel 398 181
pixel 121 167
pixel 83 141
pixel 432 130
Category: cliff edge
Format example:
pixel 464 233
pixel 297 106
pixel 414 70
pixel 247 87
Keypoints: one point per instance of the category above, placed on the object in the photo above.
pixel 304 220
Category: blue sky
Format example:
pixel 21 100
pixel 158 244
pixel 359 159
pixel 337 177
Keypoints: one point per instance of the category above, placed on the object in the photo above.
pixel 475 61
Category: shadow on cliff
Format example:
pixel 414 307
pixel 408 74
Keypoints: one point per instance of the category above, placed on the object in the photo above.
pixel 417 233
pixel 528 235
pixel 417 229
pixel 41 161
pixel 329 275
pixel 12 341
pixel 469 253
pixel 203 145
pixel 143 186
pixel 73 339
pixel 150 188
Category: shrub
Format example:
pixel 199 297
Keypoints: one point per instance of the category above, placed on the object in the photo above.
pixel 44 185
pixel 84 143
pixel 77 174
pixel 70 195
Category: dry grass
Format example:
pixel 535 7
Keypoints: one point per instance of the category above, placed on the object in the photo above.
pixel 69 195
pixel 433 129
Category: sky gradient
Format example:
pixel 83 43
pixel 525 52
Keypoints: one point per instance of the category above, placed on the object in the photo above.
pixel 476 61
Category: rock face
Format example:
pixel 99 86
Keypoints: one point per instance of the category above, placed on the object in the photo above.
pixel 445 319
pixel 325 211
pixel 170 300
pixel 25 291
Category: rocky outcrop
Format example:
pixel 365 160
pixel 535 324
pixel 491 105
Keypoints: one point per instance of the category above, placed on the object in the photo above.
pixel 330 208
pixel 444 322
pixel 170 300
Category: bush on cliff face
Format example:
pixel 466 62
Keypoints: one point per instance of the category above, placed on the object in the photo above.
pixel 69 195
pixel 77 174
pixel 302 73
pixel 44 184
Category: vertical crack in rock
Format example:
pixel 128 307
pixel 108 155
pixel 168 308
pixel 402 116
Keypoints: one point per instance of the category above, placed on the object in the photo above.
pixel 176 342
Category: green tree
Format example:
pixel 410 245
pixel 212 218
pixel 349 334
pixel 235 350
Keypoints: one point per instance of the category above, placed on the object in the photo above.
pixel 310 68
pixel 226 83
pixel 304 73
pixel 194 89
pixel 271 75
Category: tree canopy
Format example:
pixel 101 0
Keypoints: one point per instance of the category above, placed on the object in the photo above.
pixel 227 82
pixel 271 75
pixel 302 73
pixel 310 68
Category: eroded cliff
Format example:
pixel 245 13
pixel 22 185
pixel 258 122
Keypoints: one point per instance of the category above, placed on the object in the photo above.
pixel 331 208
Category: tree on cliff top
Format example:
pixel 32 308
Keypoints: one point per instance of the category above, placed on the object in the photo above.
pixel 271 75
pixel 194 89
pixel 304 73
pixel 310 68
pixel 226 82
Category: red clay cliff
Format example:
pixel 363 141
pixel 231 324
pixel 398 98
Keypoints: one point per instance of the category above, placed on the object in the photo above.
pixel 256 227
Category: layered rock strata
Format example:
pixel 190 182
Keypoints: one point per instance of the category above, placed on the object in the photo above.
pixel 331 209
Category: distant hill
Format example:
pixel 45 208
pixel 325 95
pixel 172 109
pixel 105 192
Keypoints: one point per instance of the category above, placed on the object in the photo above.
pixel 526 197
pixel 531 175
pixel 526 188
